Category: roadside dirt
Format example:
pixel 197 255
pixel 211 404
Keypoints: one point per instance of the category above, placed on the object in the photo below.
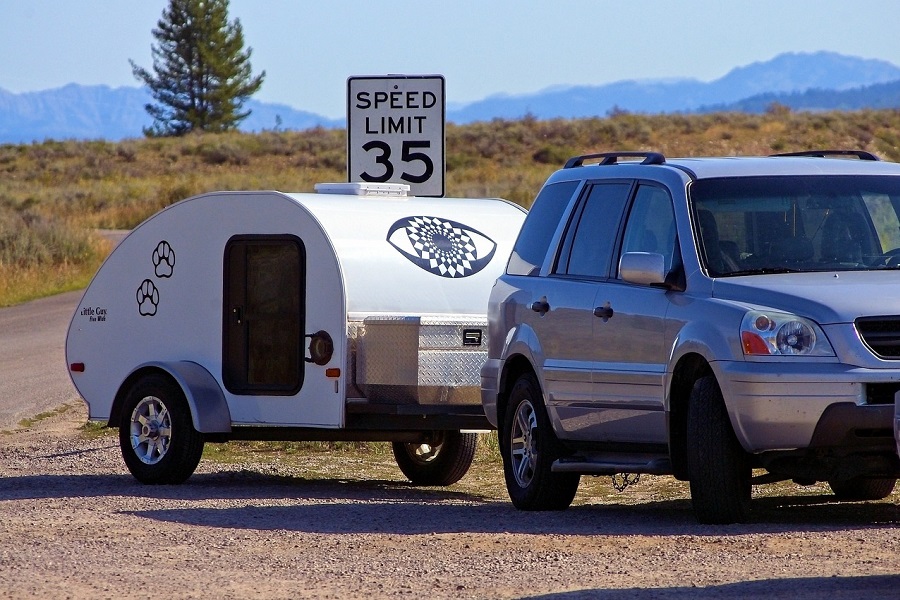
pixel 75 524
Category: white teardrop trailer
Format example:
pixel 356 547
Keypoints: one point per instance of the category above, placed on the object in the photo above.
pixel 357 314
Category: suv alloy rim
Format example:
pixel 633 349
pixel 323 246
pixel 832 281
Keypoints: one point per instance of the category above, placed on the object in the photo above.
pixel 523 452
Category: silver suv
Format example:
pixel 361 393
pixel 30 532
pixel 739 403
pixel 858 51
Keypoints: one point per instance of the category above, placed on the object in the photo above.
pixel 701 317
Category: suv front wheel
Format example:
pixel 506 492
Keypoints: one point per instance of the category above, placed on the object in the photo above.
pixel 529 447
pixel 859 488
pixel 718 467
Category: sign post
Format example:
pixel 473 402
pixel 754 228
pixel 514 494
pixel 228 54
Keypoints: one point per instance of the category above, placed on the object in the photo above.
pixel 395 131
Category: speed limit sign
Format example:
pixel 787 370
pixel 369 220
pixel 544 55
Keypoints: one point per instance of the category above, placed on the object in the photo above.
pixel 395 131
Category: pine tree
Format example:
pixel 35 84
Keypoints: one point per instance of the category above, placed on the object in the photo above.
pixel 201 74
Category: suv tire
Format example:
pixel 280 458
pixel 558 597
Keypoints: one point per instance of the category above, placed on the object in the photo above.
pixel 718 468
pixel 860 488
pixel 529 447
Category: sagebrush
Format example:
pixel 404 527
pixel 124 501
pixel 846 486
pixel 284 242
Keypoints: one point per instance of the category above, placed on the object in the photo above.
pixel 53 193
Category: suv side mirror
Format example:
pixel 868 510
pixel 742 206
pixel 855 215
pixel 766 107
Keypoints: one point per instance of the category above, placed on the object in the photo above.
pixel 644 268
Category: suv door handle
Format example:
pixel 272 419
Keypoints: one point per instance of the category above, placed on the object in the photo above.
pixel 541 306
pixel 604 312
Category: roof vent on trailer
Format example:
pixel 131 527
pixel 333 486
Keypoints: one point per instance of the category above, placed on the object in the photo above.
pixel 364 189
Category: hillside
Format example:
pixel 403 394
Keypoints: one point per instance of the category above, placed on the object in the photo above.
pixel 53 194
pixel 876 96
pixel 100 184
pixel 100 112
pixel 839 82
pixel 784 74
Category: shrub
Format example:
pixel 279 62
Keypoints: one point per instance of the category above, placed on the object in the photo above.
pixel 52 193
pixel 224 153
pixel 28 239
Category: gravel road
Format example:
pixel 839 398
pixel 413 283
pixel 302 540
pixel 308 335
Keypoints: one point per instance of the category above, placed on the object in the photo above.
pixel 74 524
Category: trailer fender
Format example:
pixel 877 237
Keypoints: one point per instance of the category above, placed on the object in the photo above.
pixel 209 409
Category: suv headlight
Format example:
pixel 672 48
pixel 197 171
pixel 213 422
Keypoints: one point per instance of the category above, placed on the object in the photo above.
pixel 765 333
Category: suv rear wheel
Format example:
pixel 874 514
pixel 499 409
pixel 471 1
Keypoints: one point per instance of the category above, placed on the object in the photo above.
pixel 718 468
pixel 529 447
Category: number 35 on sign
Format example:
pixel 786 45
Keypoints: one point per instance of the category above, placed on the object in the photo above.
pixel 395 131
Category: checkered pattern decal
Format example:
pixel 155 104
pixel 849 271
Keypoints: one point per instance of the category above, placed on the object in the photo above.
pixel 441 246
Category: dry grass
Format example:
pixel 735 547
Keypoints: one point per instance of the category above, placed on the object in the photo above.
pixel 75 186
pixel 374 462
pixel 24 281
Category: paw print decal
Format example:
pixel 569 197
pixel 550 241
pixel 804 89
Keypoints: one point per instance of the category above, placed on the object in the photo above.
pixel 147 298
pixel 164 260
pixel 441 246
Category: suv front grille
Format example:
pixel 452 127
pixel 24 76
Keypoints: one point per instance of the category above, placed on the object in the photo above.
pixel 881 335
pixel 881 393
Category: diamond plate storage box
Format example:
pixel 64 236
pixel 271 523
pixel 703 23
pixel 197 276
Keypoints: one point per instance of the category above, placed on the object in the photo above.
pixel 421 359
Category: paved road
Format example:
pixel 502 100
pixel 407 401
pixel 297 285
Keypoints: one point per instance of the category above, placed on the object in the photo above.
pixel 33 376
pixel 33 371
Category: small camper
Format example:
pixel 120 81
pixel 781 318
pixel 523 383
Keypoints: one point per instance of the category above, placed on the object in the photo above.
pixel 355 313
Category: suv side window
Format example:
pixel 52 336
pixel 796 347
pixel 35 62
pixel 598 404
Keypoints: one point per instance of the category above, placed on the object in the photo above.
pixel 651 224
pixel 591 243
pixel 543 219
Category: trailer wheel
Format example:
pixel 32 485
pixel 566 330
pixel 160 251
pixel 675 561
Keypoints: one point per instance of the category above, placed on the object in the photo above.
pixel 158 440
pixel 442 462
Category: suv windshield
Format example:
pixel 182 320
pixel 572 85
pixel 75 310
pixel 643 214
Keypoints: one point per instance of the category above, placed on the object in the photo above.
pixel 755 225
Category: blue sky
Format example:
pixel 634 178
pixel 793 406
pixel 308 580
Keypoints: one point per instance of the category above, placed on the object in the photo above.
pixel 308 49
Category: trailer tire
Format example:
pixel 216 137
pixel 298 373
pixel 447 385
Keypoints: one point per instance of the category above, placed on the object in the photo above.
pixel 443 462
pixel 156 435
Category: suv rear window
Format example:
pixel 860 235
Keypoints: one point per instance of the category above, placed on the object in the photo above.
pixel 537 231
pixel 591 243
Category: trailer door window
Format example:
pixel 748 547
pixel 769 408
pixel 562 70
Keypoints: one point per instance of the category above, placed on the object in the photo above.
pixel 265 279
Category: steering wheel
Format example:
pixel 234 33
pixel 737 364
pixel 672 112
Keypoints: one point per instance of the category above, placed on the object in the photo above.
pixel 892 258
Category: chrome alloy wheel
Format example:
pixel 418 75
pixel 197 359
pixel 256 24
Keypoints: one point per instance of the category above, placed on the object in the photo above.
pixel 151 430
pixel 423 453
pixel 523 444
pixel 426 452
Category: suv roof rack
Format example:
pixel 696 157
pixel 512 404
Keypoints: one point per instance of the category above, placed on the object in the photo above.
pixel 860 154
pixel 612 158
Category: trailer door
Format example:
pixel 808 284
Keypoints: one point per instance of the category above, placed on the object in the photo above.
pixel 264 315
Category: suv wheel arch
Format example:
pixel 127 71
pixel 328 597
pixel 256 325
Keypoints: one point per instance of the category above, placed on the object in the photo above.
pixel 689 369
pixel 513 369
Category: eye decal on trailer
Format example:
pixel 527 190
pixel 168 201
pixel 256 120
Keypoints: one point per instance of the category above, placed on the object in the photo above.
pixel 442 247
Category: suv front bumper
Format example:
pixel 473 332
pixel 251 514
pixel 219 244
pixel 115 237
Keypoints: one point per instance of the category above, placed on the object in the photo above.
pixel 784 406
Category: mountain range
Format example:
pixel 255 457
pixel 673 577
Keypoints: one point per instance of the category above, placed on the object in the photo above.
pixel 801 81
